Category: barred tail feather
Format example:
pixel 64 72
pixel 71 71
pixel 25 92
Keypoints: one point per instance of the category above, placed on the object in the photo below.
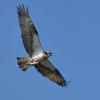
pixel 22 62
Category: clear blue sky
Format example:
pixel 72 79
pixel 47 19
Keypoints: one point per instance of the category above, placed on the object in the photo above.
pixel 71 30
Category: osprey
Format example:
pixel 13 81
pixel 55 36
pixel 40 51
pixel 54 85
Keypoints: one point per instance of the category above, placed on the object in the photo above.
pixel 37 56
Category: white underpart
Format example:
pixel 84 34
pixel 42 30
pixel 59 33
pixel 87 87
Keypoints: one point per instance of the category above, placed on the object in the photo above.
pixel 37 58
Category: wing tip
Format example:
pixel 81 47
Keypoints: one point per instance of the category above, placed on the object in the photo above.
pixel 22 10
pixel 64 83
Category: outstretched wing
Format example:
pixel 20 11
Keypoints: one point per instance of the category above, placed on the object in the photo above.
pixel 47 69
pixel 29 33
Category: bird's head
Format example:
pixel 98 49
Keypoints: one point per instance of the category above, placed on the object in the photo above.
pixel 48 53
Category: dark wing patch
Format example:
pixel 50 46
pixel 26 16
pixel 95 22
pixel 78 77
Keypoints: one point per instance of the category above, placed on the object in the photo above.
pixel 29 33
pixel 53 75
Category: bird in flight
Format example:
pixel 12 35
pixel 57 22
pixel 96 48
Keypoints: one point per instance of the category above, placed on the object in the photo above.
pixel 37 56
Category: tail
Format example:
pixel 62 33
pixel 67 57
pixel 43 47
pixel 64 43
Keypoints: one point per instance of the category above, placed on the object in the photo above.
pixel 22 62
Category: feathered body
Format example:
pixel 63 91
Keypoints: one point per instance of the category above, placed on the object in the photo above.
pixel 37 56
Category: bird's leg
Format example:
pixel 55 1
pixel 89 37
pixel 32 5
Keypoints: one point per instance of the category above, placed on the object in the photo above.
pixel 33 63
